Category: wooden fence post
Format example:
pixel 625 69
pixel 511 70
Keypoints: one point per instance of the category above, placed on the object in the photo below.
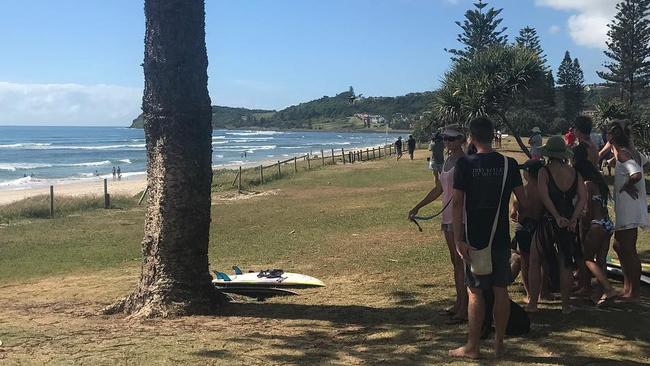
pixel 308 162
pixel 367 154
pixel 390 150
pixel 343 155
pixel 52 201
pixel 279 169
pixel 295 165
pixel 322 156
pixel 107 200
pixel 373 153
pixel 239 180
pixel 261 174
pixel 333 157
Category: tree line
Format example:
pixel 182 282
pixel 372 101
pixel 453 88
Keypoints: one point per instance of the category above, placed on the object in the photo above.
pixel 513 83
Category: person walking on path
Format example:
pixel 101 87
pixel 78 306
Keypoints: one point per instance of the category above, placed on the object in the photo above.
pixel 410 143
pixel 453 141
pixel 119 173
pixel 557 237
pixel 114 173
pixel 630 205
pixel 483 184
pixel 398 147
pixel 535 142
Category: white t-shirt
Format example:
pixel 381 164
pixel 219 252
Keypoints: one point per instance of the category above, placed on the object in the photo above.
pixel 630 213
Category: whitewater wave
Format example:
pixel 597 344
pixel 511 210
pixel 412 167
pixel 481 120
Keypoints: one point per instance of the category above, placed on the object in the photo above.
pixel 246 148
pixel 253 139
pixel 12 167
pixel 23 145
pixel 29 166
pixel 125 161
pixel 18 182
pixel 254 133
pixel 67 147
pixel 92 163
pixel 219 142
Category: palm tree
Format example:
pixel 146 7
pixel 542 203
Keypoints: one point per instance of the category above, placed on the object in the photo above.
pixel 175 278
pixel 486 85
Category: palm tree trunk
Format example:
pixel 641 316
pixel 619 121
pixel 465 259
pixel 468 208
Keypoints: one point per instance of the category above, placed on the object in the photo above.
pixel 515 133
pixel 175 278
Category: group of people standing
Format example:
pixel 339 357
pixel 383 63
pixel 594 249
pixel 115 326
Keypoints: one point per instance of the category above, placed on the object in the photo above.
pixel 563 227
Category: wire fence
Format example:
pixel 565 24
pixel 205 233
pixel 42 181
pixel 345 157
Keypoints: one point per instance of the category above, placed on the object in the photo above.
pixel 243 178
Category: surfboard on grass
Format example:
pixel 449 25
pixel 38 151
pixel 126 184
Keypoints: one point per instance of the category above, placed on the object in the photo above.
pixel 614 268
pixel 269 278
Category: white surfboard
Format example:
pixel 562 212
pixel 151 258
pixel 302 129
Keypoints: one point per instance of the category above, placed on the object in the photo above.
pixel 284 280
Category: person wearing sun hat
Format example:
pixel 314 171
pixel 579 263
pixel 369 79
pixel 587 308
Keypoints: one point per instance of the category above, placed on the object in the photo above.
pixel 535 142
pixel 559 186
pixel 453 139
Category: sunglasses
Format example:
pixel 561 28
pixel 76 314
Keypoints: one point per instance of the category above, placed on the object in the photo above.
pixel 451 138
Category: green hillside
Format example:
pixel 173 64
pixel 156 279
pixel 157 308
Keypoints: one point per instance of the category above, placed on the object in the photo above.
pixel 326 113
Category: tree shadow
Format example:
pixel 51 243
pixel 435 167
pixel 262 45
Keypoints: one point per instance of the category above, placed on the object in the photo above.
pixel 415 334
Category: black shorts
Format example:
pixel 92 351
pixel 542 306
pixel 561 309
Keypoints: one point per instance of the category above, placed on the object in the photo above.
pixel 524 233
pixel 501 275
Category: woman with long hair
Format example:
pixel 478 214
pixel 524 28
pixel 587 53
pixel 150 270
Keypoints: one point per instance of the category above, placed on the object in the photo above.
pixel 630 204
pixel 597 227
pixel 557 238
pixel 454 140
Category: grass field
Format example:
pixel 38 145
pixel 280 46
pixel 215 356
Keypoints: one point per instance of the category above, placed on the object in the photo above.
pixel 345 224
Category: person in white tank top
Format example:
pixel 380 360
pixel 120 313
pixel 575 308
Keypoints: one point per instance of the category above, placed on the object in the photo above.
pixel 453 139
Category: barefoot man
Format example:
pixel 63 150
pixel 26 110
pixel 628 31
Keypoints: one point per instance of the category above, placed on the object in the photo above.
pixel 479 186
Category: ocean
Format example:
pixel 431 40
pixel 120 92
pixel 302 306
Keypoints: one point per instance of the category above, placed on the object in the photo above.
pixel 32 157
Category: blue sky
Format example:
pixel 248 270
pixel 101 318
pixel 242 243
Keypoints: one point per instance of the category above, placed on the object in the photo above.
pixel 73 62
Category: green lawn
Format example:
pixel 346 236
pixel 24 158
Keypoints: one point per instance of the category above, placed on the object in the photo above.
pixel 344 224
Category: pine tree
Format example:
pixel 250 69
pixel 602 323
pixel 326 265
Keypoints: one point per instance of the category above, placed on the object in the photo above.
pixel 629 49
pixel 540 97
pixel 480 30
pixel 571 80
pixel 528 38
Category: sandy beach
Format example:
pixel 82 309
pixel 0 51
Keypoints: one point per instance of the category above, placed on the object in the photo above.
pixel 130 186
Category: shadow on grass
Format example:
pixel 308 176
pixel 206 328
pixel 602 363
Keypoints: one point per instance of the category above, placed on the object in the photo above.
pixel 417 335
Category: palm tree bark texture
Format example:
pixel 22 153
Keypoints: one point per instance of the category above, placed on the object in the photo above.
pixel 175 277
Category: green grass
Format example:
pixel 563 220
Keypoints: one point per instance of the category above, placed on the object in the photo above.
pixel 344 224
pixel 38 207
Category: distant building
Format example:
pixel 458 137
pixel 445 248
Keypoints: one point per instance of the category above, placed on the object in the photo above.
pixel 371 119
pixel 589 113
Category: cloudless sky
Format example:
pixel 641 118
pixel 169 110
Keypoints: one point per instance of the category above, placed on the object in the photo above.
pixel 263 53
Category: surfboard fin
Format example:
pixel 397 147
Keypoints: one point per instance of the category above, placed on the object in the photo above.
pixel 237 270
pixel 222 276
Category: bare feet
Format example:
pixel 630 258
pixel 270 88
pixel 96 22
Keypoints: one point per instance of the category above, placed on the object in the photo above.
pixel 628 299
pixel 465 352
